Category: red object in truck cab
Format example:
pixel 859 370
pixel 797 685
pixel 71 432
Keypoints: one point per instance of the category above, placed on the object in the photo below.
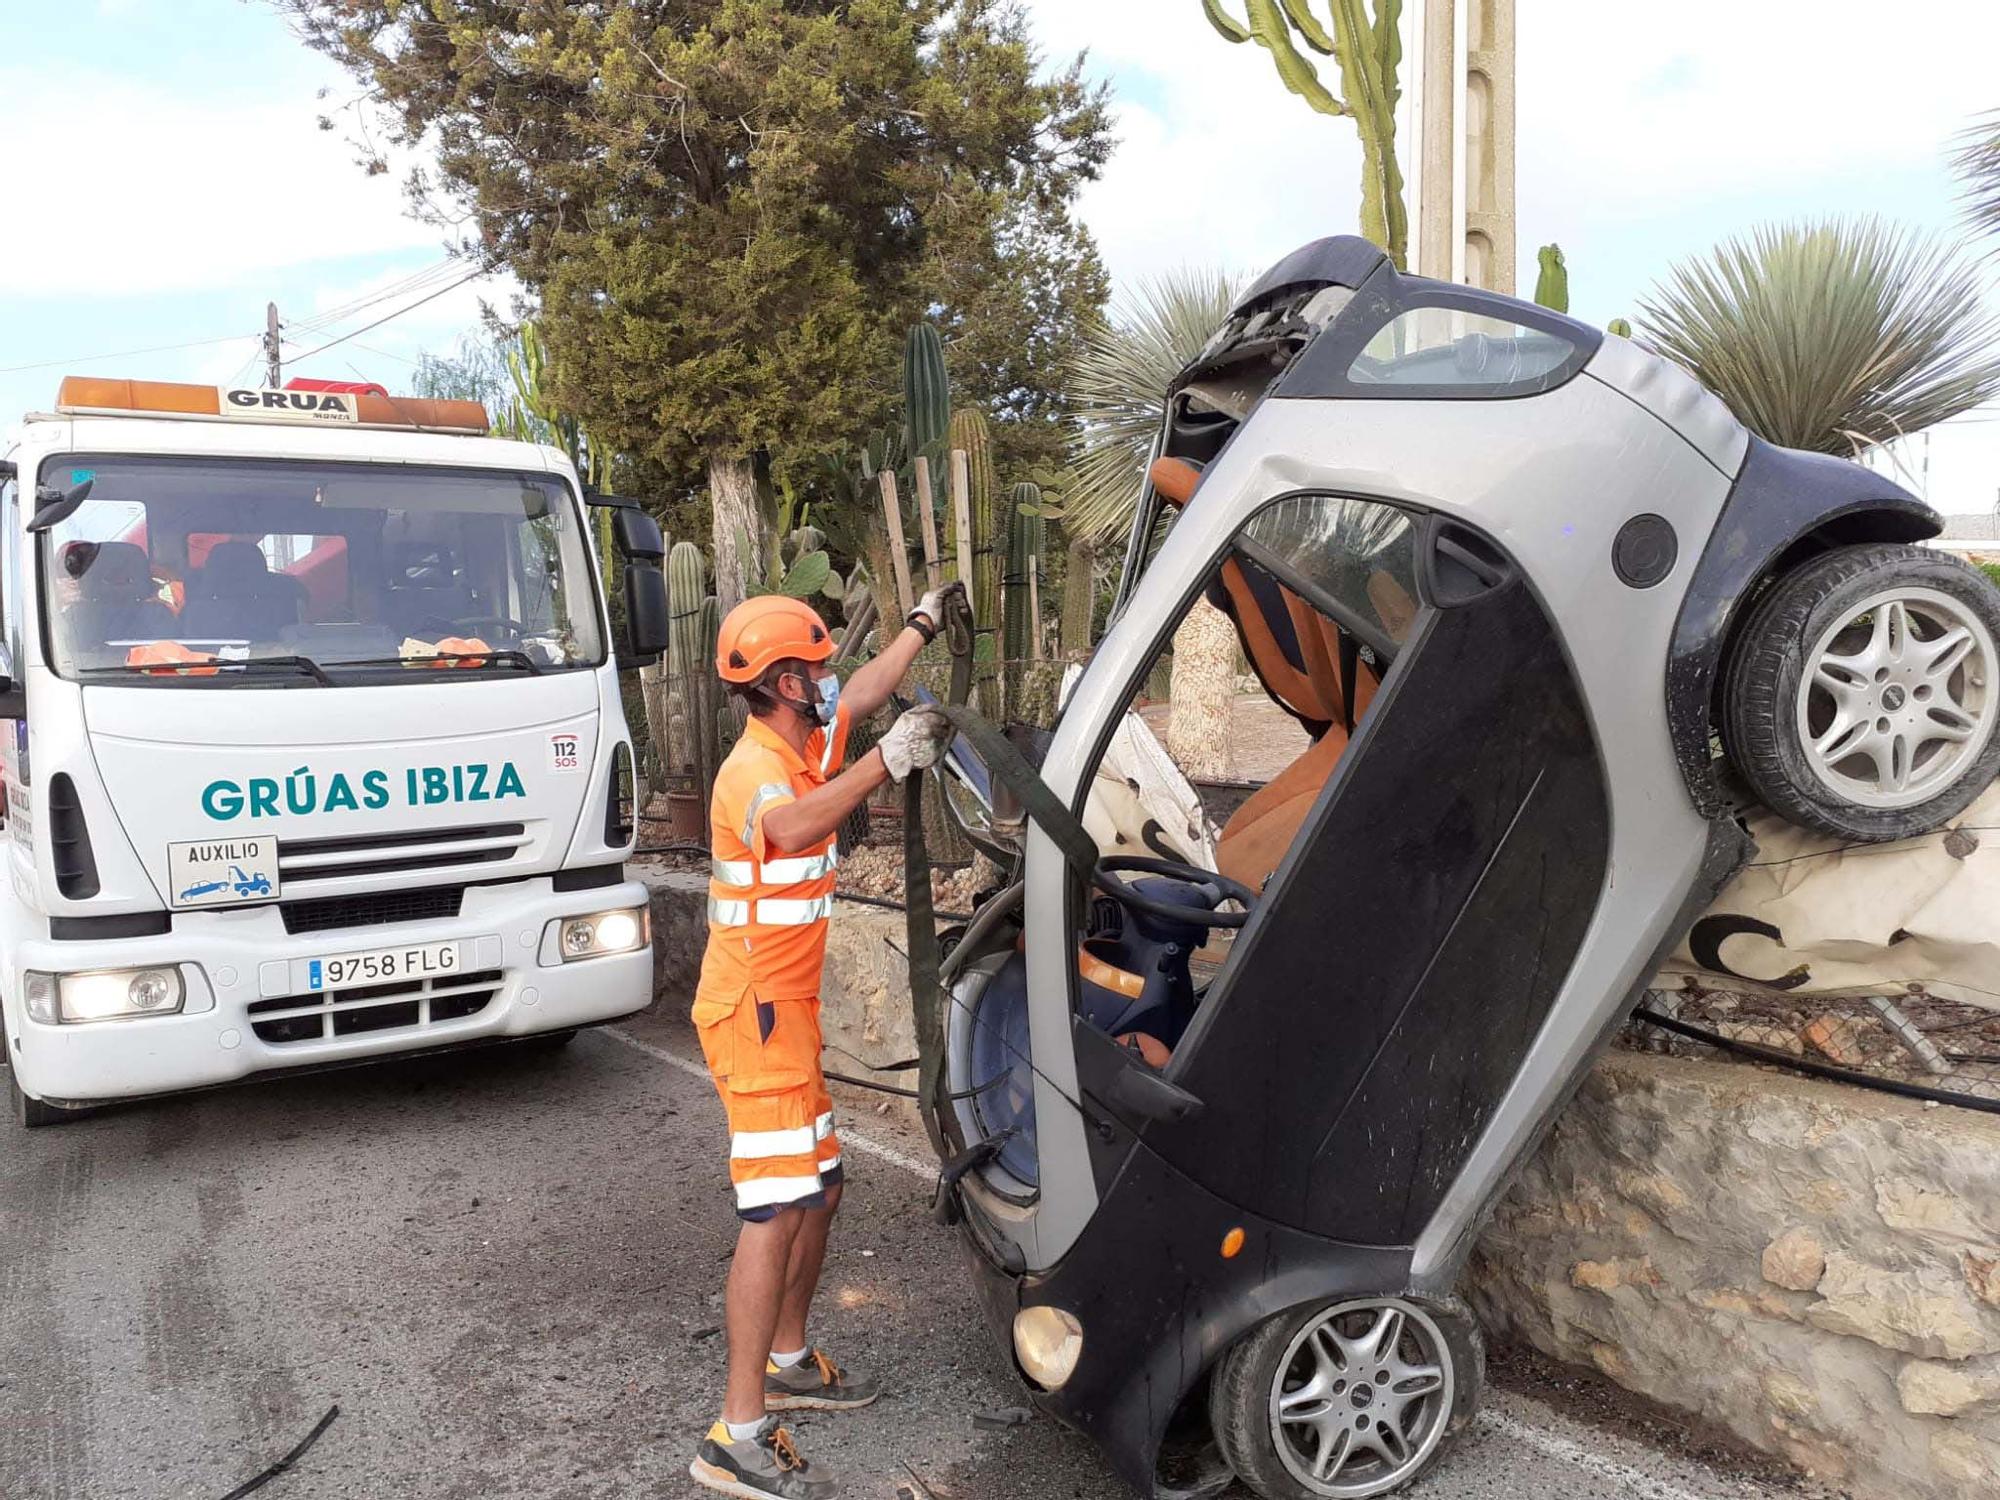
pixel 341 387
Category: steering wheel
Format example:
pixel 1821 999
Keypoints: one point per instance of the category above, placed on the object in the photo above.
pixel 505 622
pixel 1218 888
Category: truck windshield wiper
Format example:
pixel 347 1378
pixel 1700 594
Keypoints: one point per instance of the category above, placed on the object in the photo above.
pixel 301 664
pixel 507 657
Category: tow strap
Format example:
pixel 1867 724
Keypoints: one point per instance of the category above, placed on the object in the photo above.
pixel 1007 767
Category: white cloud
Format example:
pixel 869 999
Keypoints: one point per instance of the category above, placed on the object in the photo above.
pixel 154 191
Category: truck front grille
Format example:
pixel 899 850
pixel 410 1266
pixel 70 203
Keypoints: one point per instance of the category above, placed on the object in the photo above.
pixel 324 913
pixel 303 861
pixel 407 1005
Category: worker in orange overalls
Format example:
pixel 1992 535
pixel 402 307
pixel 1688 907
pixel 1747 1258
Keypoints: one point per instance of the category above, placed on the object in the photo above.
pixel 780 798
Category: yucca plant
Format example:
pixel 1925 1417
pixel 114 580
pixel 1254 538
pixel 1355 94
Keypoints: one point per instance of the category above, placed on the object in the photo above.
pixel 1977 161
pixel 1833 336
pixel 1118 386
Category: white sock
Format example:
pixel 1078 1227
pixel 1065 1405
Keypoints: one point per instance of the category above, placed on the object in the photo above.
pixel 786 1361
pixel 742 1432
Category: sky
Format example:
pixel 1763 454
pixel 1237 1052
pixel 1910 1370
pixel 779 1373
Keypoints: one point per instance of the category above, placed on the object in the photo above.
pixel 168 177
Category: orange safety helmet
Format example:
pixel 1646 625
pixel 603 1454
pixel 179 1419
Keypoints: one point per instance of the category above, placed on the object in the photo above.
pixel 759 633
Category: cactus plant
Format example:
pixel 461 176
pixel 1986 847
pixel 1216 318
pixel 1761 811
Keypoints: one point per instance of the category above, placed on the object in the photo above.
pixel 1552 284
pixel 687 586
pixel 926 392
pixel 1027 535
pixel 1369 50
pixel 968 432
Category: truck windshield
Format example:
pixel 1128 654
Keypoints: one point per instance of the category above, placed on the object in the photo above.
pixel 175 568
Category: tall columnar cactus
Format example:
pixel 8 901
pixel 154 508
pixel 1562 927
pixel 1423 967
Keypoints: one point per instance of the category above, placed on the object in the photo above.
pixel 1369 50
pixel 926 392
pixel 1027 535
pixel 712 718
pixel 687 667
pixel 1552 284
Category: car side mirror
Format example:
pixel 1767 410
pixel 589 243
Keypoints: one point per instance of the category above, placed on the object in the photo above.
pixel 13 692
pixel 645 612
pixel 636 534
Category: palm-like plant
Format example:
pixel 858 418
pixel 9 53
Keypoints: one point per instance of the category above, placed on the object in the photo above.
pixel 1833 336
pixel 1978 163
pixel 1118 386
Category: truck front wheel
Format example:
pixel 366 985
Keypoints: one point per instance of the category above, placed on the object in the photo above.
pixel 32 1113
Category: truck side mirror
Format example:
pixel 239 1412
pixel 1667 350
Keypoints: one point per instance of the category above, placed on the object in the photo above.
pixel 645 610
pixel 637 534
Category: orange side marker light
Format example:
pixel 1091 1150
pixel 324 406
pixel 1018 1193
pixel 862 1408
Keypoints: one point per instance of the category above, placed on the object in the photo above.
pixel 1232 1243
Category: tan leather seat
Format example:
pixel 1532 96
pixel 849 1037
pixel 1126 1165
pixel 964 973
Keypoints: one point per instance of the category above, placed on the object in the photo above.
pixel 1262 829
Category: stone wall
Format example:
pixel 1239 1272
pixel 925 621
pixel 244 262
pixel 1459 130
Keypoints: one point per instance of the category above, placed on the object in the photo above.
pixel 1814 1267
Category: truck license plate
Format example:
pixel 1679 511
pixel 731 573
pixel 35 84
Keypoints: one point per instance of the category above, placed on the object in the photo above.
pixel 375 966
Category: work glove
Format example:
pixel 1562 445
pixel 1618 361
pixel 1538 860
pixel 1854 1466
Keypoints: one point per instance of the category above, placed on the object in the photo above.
pixel 915 741
pixel 928 616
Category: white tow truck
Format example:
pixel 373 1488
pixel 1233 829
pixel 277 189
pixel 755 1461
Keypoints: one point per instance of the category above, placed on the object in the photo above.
pixel 311 735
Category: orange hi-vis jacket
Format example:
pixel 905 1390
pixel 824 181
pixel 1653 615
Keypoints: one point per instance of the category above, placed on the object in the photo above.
pixel 767 912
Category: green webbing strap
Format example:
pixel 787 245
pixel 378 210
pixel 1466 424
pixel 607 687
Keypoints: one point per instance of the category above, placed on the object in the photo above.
pixel 1004 763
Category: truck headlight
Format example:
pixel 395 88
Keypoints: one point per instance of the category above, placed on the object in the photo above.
pixel 105 995
pixel 1048 1342
pixel 604 932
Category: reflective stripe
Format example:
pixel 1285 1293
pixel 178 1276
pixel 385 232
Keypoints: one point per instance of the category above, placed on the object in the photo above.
pixel 737 872
pixel 774 913
pixel 763 1192
pixel 826 754
pixel 823 1126
pixel 760 1143
pixel 728 913
pixel 770 791
pixel 830 1163
pixel 802 867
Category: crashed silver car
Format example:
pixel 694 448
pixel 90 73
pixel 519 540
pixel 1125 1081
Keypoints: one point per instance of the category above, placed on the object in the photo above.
pixel 1223 1094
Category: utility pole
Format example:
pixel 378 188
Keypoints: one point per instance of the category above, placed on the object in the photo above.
pixel 1459 107
pixel 274 364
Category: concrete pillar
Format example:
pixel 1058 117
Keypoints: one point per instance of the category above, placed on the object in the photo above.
pixel 1459 102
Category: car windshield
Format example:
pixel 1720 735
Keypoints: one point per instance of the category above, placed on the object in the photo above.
pixel 216 571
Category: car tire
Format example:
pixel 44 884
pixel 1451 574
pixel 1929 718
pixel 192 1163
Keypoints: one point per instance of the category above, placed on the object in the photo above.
pixel 1278 1433
pixel 31 1113
pixel 1862 696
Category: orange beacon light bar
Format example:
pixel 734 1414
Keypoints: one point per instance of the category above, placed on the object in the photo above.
pixel 89 395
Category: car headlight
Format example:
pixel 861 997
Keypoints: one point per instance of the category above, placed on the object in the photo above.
pixel 105 995
pixel 1048 1342
pixel 603 932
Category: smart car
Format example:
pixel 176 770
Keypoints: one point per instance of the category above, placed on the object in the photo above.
pixel 1223 1108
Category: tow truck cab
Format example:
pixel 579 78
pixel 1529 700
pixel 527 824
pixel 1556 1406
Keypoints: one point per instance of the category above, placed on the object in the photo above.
pixel 312 739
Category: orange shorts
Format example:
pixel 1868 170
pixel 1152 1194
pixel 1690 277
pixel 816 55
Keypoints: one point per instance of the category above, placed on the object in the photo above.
pixel 764 1058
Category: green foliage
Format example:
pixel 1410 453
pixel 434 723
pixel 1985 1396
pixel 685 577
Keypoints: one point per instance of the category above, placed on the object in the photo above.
pixel 1119 387
pixel 968 431
pixel 1832 336
pixel 475 371
pixel 1991 570
pixel 1552 285
pixel 1368 48
pixel 1977 162
pixel 926 391
pixel 1620 326
pixel 729 213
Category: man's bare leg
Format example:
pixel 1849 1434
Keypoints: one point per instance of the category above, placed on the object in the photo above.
pixel 753 1303
pixel 802 1274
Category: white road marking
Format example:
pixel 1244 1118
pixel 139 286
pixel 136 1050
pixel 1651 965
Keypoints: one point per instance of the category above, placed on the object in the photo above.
pixel 1634 1482
pixel 849 1139
pixel 1629 1480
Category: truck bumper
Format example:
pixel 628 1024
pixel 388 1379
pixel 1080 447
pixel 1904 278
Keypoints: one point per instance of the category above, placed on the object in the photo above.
pixel 236 968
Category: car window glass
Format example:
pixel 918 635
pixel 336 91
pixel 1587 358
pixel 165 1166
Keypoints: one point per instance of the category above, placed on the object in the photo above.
pixel 1361 555
pixel 1444 348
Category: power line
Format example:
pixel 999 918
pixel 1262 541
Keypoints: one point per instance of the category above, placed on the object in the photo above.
pixel 407 307
pixel 403 286
pixel 85 359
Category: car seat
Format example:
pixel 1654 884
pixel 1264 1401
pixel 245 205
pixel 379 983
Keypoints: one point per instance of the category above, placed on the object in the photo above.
pixel 234 596
pixel 1305 662
pixel 118 599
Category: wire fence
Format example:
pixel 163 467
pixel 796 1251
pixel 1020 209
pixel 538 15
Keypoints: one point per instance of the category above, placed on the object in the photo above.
pixel 1912 1043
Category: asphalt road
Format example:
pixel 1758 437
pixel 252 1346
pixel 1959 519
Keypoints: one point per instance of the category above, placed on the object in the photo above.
pixel 505 1269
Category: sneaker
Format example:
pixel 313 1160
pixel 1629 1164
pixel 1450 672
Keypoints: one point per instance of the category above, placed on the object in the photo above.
pixel 815 1383
pixel 757 1467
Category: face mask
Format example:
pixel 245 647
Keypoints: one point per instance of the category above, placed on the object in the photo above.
pixel 828 689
